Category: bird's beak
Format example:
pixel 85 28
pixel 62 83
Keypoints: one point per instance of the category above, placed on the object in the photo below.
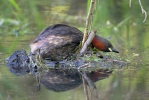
pixel 113 50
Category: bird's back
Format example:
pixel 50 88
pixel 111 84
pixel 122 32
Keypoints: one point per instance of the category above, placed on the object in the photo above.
pixel 57 41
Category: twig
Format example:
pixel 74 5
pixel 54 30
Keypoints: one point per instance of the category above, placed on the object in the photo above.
pixel 87 43
pixel 143 11
pixel 88 20
pixel 130 3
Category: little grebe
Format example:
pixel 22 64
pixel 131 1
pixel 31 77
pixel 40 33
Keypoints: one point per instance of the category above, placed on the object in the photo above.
pixel 59 41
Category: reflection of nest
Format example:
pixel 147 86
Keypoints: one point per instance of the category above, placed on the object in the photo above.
pixel 64 75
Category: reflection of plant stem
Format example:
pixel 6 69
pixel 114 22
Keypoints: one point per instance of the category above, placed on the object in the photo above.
pixel 85 37
pixel 85 88
pixel 143 11
pixel 88 20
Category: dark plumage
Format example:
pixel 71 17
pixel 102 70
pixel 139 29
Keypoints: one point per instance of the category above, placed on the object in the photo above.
pixel 103 45
pixel 57 42
pixel 18 62
pixel 63 80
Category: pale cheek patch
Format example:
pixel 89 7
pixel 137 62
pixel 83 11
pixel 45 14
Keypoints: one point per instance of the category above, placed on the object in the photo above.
pixel 110 49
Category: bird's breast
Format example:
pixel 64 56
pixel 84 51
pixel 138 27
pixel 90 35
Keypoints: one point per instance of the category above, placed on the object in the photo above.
pixel 98 44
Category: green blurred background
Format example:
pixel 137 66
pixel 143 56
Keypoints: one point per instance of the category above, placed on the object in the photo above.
pixel 22 20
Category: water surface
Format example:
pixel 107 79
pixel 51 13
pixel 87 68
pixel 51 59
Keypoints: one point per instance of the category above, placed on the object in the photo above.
pixel 123 26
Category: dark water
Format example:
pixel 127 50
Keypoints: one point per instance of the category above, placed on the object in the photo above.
pixel 21 22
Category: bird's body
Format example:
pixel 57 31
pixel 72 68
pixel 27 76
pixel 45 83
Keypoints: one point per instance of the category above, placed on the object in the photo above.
pixel 59 41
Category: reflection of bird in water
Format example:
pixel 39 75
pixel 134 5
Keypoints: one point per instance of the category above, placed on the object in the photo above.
pixel 62 80
pixel 58 42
